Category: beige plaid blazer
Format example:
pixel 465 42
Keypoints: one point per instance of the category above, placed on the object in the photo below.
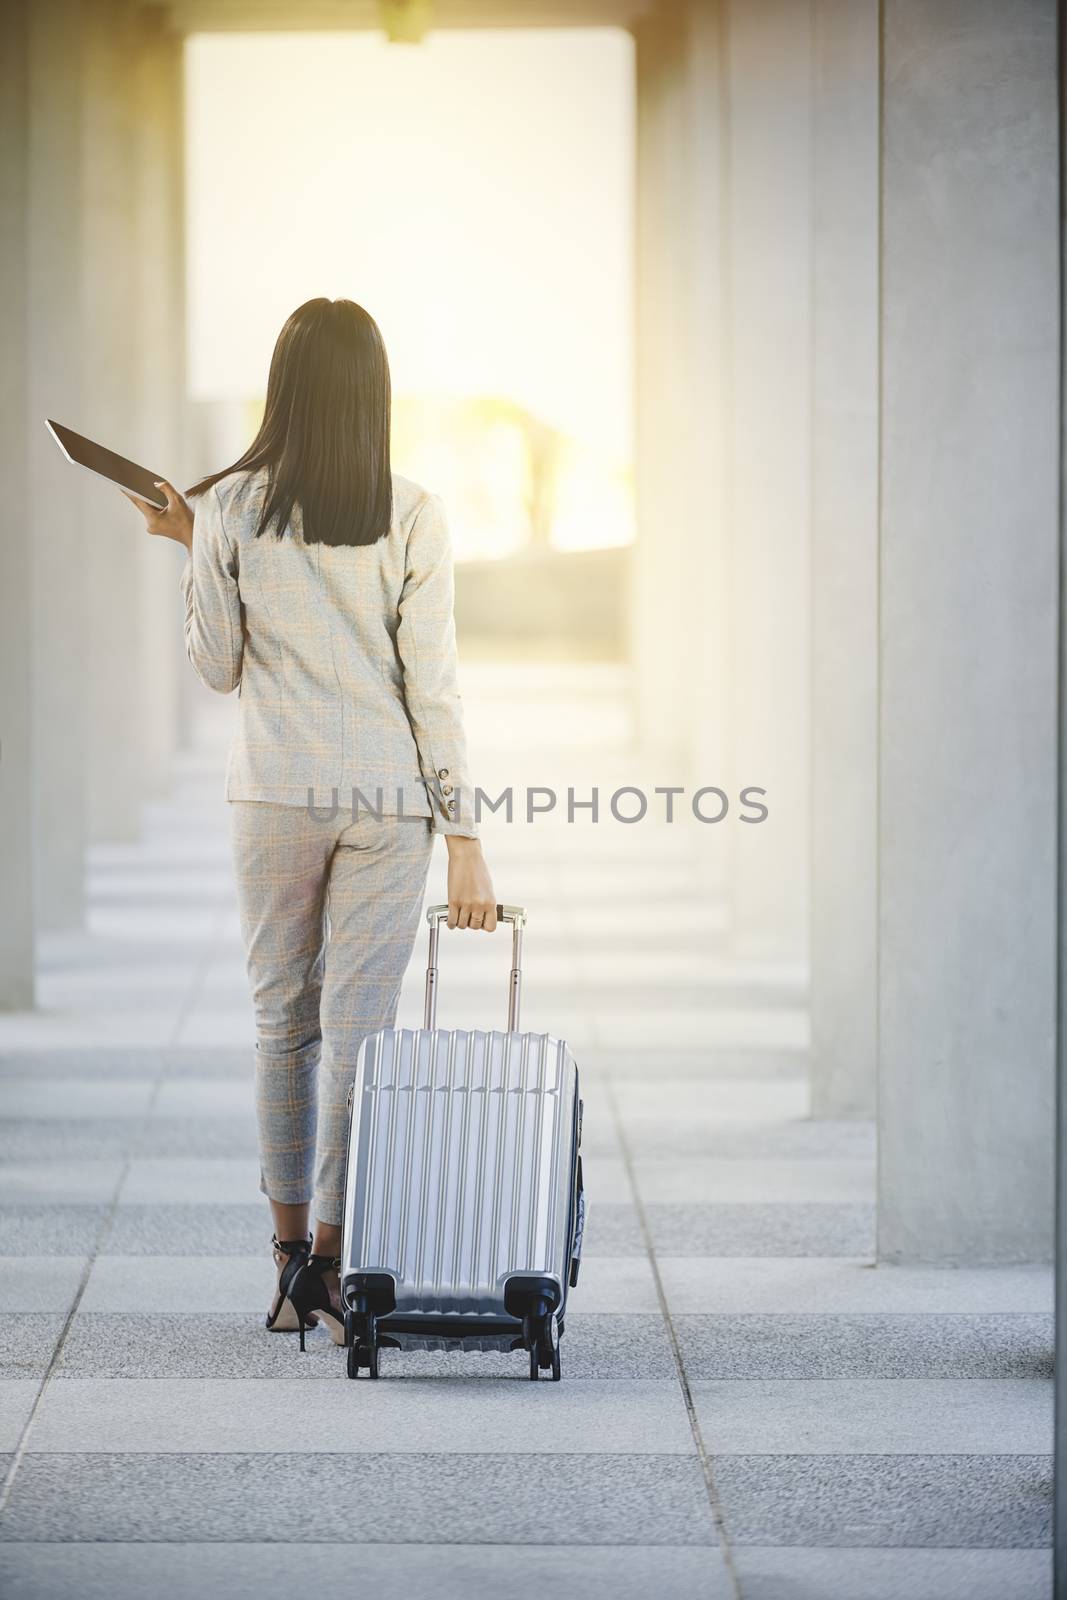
pixel 344 657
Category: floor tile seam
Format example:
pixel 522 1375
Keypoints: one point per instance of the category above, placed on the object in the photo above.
pixel 882 1455
pixel 548 1454
pixel 72 1375
pixel 278 1378
pixel 413 1544
pixel 823 1317
pixel 355 1544
pixel 882 1316
pixel 556 1453
pixel 703 1455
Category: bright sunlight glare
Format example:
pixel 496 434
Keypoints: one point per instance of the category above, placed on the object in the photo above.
pixel 474 192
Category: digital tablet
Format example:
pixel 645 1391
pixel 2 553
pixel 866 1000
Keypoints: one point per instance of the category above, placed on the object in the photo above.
pixel 127 474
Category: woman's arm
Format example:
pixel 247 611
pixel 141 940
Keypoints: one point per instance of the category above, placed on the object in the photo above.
pixel 214 635
pixel 214 627
pixel 426 641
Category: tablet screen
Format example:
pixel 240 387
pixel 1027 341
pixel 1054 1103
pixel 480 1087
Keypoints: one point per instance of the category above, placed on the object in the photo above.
pixel 127 474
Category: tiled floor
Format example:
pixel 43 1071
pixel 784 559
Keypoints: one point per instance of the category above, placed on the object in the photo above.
pixel 749 1407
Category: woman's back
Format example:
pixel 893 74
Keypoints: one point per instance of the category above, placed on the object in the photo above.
pixel 344 654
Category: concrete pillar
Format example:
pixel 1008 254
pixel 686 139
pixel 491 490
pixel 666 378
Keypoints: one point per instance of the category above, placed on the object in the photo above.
pixel 16 612
pixel 706 698
pixel 118 697
pixel 159 259
pixel 60 555
pixel 769 290
pixel 680 604
pixel 661 601
pixel 968 602
pixel 844 558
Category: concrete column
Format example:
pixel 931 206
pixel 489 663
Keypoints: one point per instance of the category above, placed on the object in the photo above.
pixel 969 584
pixel 661 605
pixel 844 557
pixel 769 289
pixel 707 699
pixel 160 360
pixel 16 612
pixel 118 697
pixel 53 333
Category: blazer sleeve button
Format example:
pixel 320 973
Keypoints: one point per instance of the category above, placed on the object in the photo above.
pixel 442 772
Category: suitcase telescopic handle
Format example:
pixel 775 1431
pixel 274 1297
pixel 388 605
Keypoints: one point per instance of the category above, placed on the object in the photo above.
pixel 516 915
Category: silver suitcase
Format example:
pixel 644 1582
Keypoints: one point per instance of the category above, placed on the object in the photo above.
pixel 464 1202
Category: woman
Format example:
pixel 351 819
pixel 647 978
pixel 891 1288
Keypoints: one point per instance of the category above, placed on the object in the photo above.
pixel 320 587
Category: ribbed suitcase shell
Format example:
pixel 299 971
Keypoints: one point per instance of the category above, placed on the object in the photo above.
pixel 461 1172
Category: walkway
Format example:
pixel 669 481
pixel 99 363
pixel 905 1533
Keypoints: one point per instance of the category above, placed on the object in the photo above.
pixel 747 1407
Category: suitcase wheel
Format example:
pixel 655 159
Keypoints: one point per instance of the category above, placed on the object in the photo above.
pixel 361 1336
pixel 542 1335
pixel 362 1356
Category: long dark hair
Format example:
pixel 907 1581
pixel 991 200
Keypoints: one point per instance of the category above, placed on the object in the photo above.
pixel 325 431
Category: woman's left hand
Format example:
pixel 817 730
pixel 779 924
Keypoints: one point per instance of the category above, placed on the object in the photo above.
pixel 176 522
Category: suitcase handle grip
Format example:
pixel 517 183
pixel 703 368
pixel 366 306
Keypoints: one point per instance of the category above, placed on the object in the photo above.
pixel 516 915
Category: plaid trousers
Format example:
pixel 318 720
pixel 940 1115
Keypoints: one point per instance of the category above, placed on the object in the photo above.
pixel 329 914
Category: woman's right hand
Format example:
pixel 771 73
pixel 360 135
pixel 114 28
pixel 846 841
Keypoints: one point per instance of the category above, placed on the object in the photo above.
pixel 471 900
pixel 175 522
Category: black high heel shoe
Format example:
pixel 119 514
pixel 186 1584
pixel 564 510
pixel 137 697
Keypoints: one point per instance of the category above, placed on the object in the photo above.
pixel 310 1297
pixel 282 1316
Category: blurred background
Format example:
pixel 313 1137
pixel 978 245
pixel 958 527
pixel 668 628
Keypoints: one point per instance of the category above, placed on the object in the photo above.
pixel 425 177
pixel 728 332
